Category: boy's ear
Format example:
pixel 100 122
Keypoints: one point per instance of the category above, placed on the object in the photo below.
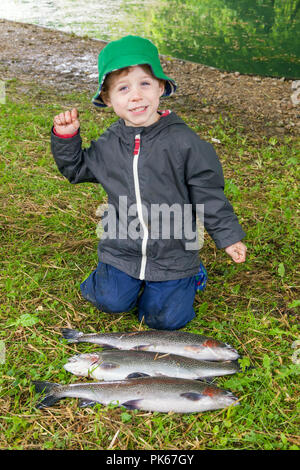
pixel 162 85
pixel 106 100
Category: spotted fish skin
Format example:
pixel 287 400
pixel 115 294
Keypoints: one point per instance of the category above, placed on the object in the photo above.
pixel 118 365
pixel 162 394
pixel 163 341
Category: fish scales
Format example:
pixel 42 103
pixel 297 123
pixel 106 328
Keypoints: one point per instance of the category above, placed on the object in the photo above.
pixel 115 365
pixel 162 394
pixel 173 342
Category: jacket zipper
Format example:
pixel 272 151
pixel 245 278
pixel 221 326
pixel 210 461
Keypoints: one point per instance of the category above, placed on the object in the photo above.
pixel 136 153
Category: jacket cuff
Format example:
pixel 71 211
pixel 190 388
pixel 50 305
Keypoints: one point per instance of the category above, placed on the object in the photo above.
pixel 64 136
pixel 234 237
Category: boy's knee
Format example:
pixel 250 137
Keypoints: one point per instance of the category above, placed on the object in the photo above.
pixel 107 294
pixel 106 302
pixel 110 305
pixel 168 305
pixel 166 320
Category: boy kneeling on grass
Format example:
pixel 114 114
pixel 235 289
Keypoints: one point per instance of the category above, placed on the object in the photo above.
pixel 157 173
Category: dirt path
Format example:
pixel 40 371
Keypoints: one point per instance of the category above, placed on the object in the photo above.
pixel 68 62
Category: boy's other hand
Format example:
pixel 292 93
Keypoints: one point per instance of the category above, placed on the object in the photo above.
pixel 237 252
pixel 67 122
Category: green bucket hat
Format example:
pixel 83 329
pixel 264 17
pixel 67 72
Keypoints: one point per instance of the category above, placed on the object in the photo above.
pixel 128 51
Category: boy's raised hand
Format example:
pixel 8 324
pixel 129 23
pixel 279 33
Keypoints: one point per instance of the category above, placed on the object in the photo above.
pixel 67 122
pixel 237 252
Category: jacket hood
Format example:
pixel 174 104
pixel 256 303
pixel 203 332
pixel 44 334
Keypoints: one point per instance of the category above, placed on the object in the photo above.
pixel 128 133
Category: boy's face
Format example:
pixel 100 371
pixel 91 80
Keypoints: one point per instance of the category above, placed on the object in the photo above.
pixel 135 96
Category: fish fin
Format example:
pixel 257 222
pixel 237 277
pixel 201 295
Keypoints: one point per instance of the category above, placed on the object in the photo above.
pixel 236 363
pixel 108 365
pixel 141 347
pixel 132 404
pixel 85 402
pixel 135 375
pixel 50 389
pixel 43 386
pixel 71 335
pixel 192 396
pixel 206 379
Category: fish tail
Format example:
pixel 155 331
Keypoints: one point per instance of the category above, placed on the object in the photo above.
pixel 71 335
pixel 51 389
pixel 237 365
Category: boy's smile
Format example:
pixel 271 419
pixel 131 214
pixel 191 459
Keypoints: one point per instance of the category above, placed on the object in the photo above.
pixel 135 96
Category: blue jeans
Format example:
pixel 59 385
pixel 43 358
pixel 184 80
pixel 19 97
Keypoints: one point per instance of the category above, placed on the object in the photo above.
pixel 164 305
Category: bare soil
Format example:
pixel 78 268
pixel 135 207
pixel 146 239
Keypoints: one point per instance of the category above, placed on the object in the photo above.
pixel 68 63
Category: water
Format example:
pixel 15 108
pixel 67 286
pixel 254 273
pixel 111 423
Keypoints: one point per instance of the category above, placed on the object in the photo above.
pixel 249 36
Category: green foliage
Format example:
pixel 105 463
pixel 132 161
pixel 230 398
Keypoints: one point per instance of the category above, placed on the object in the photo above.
pixel 227 34
pixel 24 320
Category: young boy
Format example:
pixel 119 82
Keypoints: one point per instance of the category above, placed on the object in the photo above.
pixel 147 159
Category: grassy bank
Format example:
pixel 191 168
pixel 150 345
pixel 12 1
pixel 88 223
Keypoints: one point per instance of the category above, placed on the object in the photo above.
pixel 48 246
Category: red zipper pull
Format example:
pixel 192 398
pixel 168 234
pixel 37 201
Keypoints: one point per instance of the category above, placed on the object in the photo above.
pixel 137 143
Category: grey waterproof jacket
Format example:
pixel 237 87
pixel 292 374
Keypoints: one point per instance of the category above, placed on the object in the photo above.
pixel 162 164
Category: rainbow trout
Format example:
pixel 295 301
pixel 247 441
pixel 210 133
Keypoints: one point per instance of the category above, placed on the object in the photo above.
pixel 163 341
pixel 161 394
pixel 118 365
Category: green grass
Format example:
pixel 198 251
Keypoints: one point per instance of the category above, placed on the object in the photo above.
pixel 48 246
